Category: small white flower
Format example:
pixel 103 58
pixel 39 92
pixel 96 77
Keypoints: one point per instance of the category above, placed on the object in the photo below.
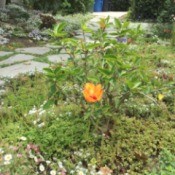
pixel 53 172
pixel 34 122
pixel 80 173
pixel 42 112
pixel 41 167
pixel 31 112
pixel 48 162
pixel 8 157
pixel 23 138
pixel 60 164
pixel 35 159
pixel 6 162
pixel 41 124
pixel 1 151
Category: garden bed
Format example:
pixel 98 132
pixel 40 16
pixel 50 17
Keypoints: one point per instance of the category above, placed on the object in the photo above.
pixel 110 112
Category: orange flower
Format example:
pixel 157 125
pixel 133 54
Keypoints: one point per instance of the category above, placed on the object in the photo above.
pixel 92 93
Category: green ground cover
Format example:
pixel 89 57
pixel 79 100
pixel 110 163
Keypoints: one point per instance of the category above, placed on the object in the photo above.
pixel 48 126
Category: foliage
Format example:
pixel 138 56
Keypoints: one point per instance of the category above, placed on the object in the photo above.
pixel 16 12
pixel 19 98
pixel 122 132
pixel 161 11
pixel 173 35
pixel 66 7
pixel 73 22
pixel 52 5
pixel 120 5
pixel 163 30
pixel 166 164
pixel 76 6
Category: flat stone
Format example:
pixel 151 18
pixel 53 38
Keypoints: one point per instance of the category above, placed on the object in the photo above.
pixel 22 68
pixel 53 46
pixel 17 58
pixel 58 58
pixel 34 50
pixel 2 53
pixel 2 91
pixel 2 83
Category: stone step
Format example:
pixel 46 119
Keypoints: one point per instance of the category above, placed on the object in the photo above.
pixel 17 58
pixel 22 68
pixel 3 53
pixel 34 50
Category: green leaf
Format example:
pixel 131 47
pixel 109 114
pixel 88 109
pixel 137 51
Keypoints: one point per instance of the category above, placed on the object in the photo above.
pixel 125 24
pixel 105 71
pixel 48 104
pixel 117 23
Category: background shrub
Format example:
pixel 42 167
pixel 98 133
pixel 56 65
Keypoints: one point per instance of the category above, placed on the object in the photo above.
pixel 67 7
pixel 158 10
pixel 121 5
pixel 52 5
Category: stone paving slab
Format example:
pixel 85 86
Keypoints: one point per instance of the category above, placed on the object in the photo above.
pixel 2 83
pixel 53 46
pixel 58 58
pixel 112 15
pixel 17 58
pixel 3 53
pixel 22 68
pixel 34 50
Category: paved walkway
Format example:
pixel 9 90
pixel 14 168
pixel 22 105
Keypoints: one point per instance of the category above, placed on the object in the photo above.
pixel 24 60
pixel 112 15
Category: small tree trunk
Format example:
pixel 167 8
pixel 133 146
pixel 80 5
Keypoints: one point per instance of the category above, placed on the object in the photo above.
pixel 173 35
pixel 2 3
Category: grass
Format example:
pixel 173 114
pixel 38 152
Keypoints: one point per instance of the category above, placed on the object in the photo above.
pixel 6 57
pixel 63 137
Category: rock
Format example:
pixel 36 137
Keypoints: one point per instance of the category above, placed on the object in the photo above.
pixel 34 50
pixel 2 53
pixel 2 83
pixel 3 40
pixel 17 58
pixel 58 58
pixel 22 68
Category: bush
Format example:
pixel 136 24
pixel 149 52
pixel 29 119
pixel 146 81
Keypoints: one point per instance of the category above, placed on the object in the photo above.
pixel 76 6
pixel 52 5
pixel 16 12
pixel 121 5
pixel 67 7
pixel 166 164
pixel 163 30
pixel 158 10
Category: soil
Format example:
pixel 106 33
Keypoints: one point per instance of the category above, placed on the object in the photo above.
pixel 23 42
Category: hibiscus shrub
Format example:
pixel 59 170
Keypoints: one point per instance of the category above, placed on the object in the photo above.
pixel 103 79
pixel 109 70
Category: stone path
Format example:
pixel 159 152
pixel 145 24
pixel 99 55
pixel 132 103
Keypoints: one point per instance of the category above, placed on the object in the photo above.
pixel 22 60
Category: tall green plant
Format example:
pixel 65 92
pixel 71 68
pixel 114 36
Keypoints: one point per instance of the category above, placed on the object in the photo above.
pixel 107 62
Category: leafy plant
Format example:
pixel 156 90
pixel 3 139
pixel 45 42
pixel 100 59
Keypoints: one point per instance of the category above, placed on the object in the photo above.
pixel 166 164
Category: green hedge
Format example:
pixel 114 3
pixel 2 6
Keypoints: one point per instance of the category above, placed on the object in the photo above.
pixel 121 5
pixel 65 6
pixel 157 10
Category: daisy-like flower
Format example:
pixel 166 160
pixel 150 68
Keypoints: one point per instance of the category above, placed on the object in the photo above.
pixel 53 172
pixel 8 157
pixel 23 138
pixel 41 168
pixel 81 173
